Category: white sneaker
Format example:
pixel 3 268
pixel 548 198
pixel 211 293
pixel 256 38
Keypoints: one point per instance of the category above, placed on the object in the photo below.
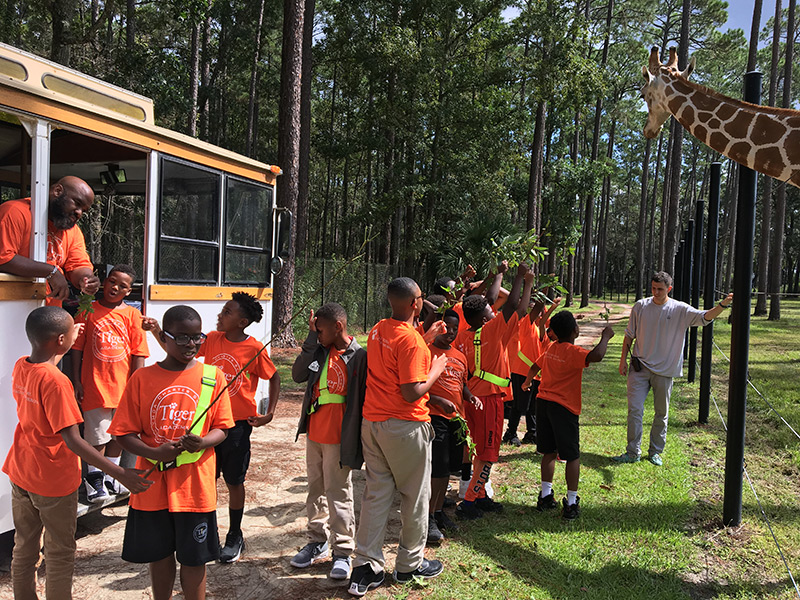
pixel 340 568
pixel 463 486
pixel 489 489
pixel 115 487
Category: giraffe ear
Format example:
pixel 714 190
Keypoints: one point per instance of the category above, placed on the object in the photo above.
pixel 646 74
pixel 654 63
pixel 689 69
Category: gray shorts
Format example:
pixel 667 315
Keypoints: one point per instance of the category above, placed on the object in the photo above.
pixel 95 425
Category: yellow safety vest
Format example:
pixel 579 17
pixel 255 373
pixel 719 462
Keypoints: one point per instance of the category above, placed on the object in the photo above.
pixel 480 373
pixel 325 397
pixel 524 358
pixel 208 383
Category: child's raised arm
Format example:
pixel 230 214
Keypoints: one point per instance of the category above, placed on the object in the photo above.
pixel 151 325
pixel 599 351
pixel 513 296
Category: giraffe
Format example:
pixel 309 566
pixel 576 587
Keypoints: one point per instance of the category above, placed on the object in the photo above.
pixel 763 138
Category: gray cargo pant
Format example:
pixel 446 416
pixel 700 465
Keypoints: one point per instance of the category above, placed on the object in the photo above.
pixel 639 384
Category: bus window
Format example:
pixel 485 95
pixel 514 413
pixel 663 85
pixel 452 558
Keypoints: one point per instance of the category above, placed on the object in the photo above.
pixel 188 250
pixel 248 232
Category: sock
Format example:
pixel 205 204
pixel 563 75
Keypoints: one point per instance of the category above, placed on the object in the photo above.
pixel 114 459
pixel 466 471
pixel 547 488
pixel 91 469
pixel 236 520
pixel 571 496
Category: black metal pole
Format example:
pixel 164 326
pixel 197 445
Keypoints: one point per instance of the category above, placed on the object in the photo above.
pixel 698 241
pixel 740 329
pixel 709 295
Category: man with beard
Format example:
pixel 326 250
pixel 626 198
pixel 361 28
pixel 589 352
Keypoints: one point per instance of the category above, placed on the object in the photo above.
pixel 67 259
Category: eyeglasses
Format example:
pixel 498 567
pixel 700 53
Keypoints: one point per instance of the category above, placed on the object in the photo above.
pixel 183 340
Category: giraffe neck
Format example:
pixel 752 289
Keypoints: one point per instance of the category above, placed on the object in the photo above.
pixel 762 138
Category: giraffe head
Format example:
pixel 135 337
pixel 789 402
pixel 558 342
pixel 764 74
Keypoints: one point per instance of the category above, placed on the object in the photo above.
pixel 657 77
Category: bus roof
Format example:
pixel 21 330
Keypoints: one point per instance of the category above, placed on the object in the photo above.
pixel 38 87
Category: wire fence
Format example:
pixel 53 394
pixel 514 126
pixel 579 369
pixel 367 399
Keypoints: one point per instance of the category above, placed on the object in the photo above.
pixel 763 513
pixel 360 287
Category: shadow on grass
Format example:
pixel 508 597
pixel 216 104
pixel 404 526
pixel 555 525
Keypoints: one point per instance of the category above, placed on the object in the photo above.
pixel 589 460
pixel 511 541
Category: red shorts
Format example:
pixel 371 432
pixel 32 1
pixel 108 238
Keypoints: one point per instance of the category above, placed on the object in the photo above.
pixel 486 427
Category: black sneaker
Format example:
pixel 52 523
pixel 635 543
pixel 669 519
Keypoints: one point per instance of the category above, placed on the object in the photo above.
pixel 468 511
pixel 529 437
pixel 448 503
pixel 434 535
pixel 571 511
pixel 427 570
pixel 232 551
pixel 444 522
pixel 95 487
pixel 488 505
pixel 546 503
pixel 364 579
pixel 309 554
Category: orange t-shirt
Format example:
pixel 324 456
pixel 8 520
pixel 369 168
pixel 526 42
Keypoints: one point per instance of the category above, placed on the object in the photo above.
pixel 65 248
pixel 450 384
pixel 396 355
pixel 562 366
pixel 325 424
pixel 39 460
pixel 495 338
pixel 159 405
pixel 113 336
pixel 462 322
pixel 230 357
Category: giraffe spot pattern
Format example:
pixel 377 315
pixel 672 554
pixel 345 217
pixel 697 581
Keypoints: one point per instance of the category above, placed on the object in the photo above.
pixel 704 116
pixel 725 111
pixel 715 123
pixel 767 130
pixel 700 132
pixel 719 141
pixel 740 152
pixel 737 127
pixel 770 159
pixel 703 102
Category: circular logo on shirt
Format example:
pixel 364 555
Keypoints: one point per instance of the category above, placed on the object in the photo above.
pixel 452 379
pixel 172 412
pixel 229 367
pixel 337 377
pixel 110 340
pixel 200 533
pixel 55 249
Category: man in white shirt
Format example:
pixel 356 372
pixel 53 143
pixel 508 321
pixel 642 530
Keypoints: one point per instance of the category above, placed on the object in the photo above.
pixel 658 324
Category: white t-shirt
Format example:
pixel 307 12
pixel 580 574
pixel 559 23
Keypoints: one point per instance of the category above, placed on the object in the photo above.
pixel 660 331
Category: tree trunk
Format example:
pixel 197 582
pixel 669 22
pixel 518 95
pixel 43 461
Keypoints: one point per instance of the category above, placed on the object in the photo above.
pixel 673 219
pixel 130 27
pixel 194 78
pixel 755 29
pixel 251 105
pixel 780 201
pixel 205 74
pixel 301 243
pixel 289 160
pixel 63 15
pixel 534 214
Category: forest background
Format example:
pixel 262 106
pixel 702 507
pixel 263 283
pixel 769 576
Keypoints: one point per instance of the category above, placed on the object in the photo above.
pixel 433 128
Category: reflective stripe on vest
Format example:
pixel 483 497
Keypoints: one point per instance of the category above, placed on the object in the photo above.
pixel 208 383
pixel 524 358
pixel 325 397
pixel 480 373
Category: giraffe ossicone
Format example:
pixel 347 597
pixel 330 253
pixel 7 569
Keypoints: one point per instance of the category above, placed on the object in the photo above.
pixel 764 138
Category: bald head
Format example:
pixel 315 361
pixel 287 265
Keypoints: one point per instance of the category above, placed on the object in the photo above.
pixel 70 197
pixel 47 322
pixel 405 298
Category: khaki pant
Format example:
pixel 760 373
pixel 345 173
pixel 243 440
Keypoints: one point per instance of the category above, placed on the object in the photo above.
pixel 58 517
pixel 639 384
pixel 397 456
pixel 329 503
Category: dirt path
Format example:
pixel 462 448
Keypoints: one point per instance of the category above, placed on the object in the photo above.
pixel 274 524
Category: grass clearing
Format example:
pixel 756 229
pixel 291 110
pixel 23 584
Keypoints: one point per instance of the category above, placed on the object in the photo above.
pixel 645 531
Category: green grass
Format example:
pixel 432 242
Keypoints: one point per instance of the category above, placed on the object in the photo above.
pixel 646 532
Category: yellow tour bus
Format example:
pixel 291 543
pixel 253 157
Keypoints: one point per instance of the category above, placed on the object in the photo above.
pixel 197 222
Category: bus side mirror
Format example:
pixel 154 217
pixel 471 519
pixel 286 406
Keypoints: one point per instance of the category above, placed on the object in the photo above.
pixel 283 239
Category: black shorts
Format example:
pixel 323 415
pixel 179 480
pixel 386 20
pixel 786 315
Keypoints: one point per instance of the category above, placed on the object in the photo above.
pixel 446 453
pixel 557 430
pixel 233 454
pixel 151 536
pixel 521 399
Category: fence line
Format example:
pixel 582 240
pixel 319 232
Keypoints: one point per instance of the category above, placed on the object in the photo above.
pixel 752 385
pixel 760 506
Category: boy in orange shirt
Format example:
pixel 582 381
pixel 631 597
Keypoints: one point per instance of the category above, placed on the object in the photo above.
pixel 448 394
pixel 558 406
pixel 395 437
pixel 485 344
pixel 230 348
pixel 335 367
pixel 111 346
pixel 176 518
pixel 42 463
